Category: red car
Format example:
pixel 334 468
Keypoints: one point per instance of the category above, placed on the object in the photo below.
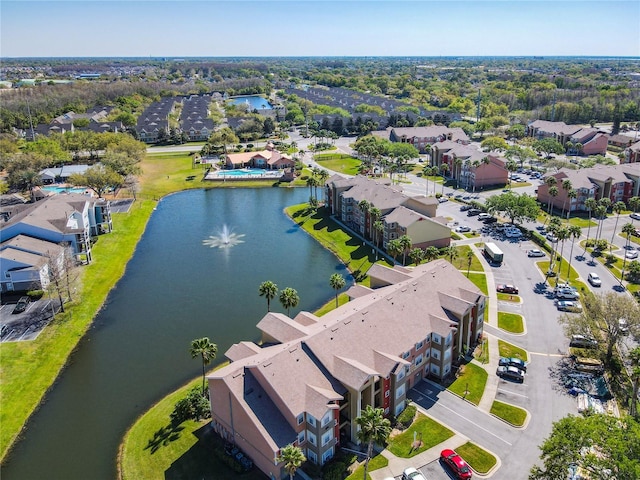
pixel 457 465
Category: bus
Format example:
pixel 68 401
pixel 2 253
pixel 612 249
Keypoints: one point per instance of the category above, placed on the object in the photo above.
pixel 493 253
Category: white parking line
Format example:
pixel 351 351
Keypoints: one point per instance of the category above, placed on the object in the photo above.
pixel 437 403
pixel 512 393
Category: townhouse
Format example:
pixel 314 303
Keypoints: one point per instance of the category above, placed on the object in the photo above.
pixel 591 141
pixel 72 220
pixel 615 182
pixel 28 263
pixel 632 153
pixel 352 201
pixel 421 137
pixel 312 376
pixel 470 166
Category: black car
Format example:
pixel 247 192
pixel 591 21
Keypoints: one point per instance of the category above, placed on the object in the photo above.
pixel 513 362
pixel 490 220
pixel 22 304
pixel 464 208
pixel 511 373
pixel 473 212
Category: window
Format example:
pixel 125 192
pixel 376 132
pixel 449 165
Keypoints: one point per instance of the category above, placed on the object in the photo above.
pixel 447 354
pixel 405 355
pixel 327 418
pixel 327 455
pixel 418 360
pixel 400 391
pixel 400 374
pixel 311 455
pixel 436 338
pixel 311 438
pixel 300 418
pixel 301 437
pixel 311 420
pixel 386 394
pixel 327 437
pixel 435 353
pixel 435 369
pixel 399 408
pixel 428 339
pixel 419 345
pixel 427 353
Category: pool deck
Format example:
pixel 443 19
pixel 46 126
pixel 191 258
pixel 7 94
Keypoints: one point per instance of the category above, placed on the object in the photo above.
pixel 224 175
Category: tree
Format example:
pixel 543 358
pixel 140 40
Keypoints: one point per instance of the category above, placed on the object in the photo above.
pixel 590 204
pixel 269 290
pixel 203 348
pixel 634 204
pixel 293 458
pixel 378 228
pixel 225 136
pixel 289 298
pixel 450 251
pixel 513 206
pixel 444 168
pixel 595 443
pixel 373 428
pixel 337 282
pixel 121 163
pixel 363 205
pixel 548 146
pixel 617 208
pixel 628 229
pixel 511 167
pixel 553 193
pixel 431 253
pixel 634 359
pixel 494 143
pixel 394 247
pixel 416 255
pixel 566 186
pixel 98 178
pixel 406 244
pixel 600 316
pixel 470 256
pixel 574 233
pixel 482 126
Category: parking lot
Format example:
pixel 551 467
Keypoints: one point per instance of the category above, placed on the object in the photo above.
pixel 18 327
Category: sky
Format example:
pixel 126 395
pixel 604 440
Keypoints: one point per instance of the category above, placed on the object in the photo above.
pixel 238 28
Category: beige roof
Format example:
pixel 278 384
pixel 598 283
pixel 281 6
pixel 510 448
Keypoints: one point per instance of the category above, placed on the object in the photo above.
pixel 559 128
pixel 388 275
pixel 635 147
pixel 281 327
pixel 358 291
pixel 34 245
pixel 432 131
pixel 241 350
pixel 26 258
pixel 405 217
pixel 382 196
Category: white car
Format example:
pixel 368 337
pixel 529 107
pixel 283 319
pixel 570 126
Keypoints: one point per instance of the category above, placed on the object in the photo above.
pixel 635 216
pixel 412 474
pixel 513 233
pixel 535 253
pixel 463 229
pixel 594 279
pixel 631 254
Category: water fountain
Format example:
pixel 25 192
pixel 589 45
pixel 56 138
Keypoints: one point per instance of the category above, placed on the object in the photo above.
pixel 225 238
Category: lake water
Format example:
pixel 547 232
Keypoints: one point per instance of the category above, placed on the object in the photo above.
pixel 176 288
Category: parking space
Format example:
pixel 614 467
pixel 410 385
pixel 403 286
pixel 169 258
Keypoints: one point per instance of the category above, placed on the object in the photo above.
pixel 28 324
pixel 436 471
pixel 121 206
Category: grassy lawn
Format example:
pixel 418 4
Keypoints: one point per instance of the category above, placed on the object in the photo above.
pixel 338 162
pixel 509 413
pixel 480 281
pixel 347 248
pixel 477 458
pixel 377 462
pixel 506 297
pixel 462 262
pixel 564 273
pixel 508 350
pixel 481 353
pixel 429 431
pixel 472 379
pixel 331 304
pixel 511 322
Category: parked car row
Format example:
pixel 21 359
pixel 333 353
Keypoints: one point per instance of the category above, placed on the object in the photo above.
pixel 451 460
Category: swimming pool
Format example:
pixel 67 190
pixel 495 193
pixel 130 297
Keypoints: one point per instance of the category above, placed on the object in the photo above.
pixel 64 189
pixel 244 172
pixel 254 102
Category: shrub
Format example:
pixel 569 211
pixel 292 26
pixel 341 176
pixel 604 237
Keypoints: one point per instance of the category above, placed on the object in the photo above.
pixel 407 415
pixel 35 294
pixel 193 406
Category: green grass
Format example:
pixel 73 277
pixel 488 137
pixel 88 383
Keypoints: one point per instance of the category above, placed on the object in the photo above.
pixel 509 413
pixel 347 248
pixel 511 322
pixel 507 297
pixel 481 352
pixel 563 273
pixel 473 378
pixel 331 304
pixel 431 432
pixel 461 262
pixel 338 162
pixel 480 281
pixel 376 463
pixel 477 458
pixel 508 350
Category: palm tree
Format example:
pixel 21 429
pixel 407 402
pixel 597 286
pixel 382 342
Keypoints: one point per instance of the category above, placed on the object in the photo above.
pixel 605 203
pixel 269 290
pixel 363 205
pixel 590 204
pixel 416 255
pixel 405 243
pixel 312 182
pixel 451 252
pixel 470 256
pixel 634 204
pixel 563 234
pixel 566 186
pixel 427 172
pixel 374 428
pixel 378 228
pixel 600 212
pixel 431 253
pixel 634 358
pixel 617 207
pixel 292 457
pixel 551 184
pixel 206 350
pixel 374 215
pixel 511 167
pixel 571 194
pixel 574 233
pixel 628 229
pixel 394 247
pixel 289 298
pixel 323 176
pixel 444 168
pixel 457 168
pixel 337 282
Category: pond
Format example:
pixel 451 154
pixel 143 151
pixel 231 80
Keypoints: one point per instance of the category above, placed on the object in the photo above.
pixel 190 277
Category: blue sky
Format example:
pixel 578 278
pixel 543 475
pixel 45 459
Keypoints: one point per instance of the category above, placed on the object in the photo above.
pixel 96 28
